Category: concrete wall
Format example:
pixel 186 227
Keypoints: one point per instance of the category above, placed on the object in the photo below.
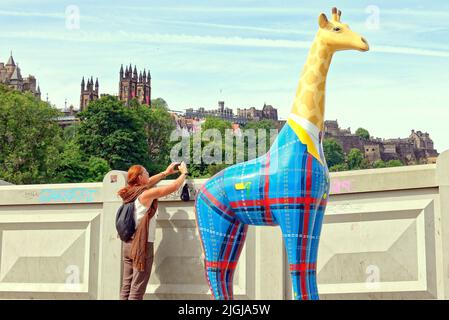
pixel 385 235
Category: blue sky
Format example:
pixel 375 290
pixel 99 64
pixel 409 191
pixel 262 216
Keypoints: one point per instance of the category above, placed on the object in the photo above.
pixel 246 53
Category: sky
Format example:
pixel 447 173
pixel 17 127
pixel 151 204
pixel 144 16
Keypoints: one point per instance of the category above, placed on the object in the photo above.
pixel 243 52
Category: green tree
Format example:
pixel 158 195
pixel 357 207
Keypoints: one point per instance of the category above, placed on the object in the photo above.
pixel 333 152
pixel 266 125
pixel 215 168
pixel 158 125
pixel 339 167
pixel 394 163
pixel 216 123
pixel 203 169
pixel 363 133
pixel 73 166
pixel 355 159
pixel 97 168
pixel 159 103
pixel 70 132
pixel 379 164
pixel 113 132
pixel 30 138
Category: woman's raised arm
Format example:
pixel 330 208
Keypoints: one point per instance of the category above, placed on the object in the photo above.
pixel 158 192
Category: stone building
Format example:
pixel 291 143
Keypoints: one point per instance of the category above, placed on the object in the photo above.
pixel 267 112
pixel 242 117
pixel 89 93
pixel 10 75
pixel 133 85
pixel 417 148
pixel 221 112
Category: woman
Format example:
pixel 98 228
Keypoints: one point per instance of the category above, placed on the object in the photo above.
pixel 138 252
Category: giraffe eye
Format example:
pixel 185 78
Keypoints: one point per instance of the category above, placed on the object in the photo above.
pixel 336 29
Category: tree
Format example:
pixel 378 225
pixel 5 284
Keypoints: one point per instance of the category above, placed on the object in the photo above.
pixel 159 103
pixel 394 163
pixel 363 133
pixel 266 125
pixel 263 124
pixel 379 164
pixel 158 125
pixel 339 167
pixel 333 152
pixel 97 168
pixel 74 168
pixel 30 138
pixel 114 132
pixel 70 132
pixel 216 123
pixel 355 159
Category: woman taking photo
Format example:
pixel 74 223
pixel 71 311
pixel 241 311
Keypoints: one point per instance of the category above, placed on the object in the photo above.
pixel 139 251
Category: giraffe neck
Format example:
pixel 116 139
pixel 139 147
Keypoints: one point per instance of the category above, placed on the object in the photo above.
pixel 310 95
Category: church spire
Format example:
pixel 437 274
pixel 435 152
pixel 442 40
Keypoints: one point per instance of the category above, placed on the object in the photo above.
pixel 11 61
pixel 135 73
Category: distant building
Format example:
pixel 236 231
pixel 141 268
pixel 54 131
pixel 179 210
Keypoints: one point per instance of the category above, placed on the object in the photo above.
pixel 89 93
pixel 417 148
pixel 267 112
pixel 10 75
pixel 221 112
pixel 68 118
pixel 133 85
pixel 242 117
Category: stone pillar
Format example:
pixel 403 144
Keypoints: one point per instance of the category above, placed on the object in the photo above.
pixel 442 174
pixel 269 264
pixel 110 269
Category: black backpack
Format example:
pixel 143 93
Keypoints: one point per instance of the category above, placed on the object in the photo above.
pixel 124 221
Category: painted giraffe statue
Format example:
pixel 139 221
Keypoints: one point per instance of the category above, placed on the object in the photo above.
pixel 288 186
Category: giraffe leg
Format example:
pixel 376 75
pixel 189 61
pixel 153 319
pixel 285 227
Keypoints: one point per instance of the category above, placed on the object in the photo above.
pixel 301 234
pixel 313 251
pixel 222 237
pixel 222 271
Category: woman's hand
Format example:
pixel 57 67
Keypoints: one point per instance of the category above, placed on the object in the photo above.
pixel 183 168
pixel 171 169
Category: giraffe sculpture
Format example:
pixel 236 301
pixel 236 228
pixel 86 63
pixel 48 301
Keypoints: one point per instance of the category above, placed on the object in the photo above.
pixel 288 186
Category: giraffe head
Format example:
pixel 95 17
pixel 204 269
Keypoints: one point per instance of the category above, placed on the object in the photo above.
pixel 338 36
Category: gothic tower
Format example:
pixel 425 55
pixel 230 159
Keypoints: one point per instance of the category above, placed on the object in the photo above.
pixel 134 85
pixel 89 93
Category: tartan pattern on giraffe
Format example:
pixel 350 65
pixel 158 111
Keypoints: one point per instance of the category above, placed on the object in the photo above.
pixel 287 187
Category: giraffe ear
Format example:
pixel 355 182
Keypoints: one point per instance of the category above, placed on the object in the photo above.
pixel 322 20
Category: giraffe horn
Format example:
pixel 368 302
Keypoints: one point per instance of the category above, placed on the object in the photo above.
pixel 334 14
pixel 339 15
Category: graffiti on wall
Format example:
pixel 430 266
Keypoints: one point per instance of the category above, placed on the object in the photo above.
pixel 67 195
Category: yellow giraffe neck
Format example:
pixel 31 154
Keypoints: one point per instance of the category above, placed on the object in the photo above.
pixel 310 95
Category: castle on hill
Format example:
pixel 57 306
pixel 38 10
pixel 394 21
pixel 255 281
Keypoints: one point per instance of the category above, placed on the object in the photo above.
pixel 11 76
pixel 416 148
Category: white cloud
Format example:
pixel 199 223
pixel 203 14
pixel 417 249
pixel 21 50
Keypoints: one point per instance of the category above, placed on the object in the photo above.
pixel 122 36
pixel 32 14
